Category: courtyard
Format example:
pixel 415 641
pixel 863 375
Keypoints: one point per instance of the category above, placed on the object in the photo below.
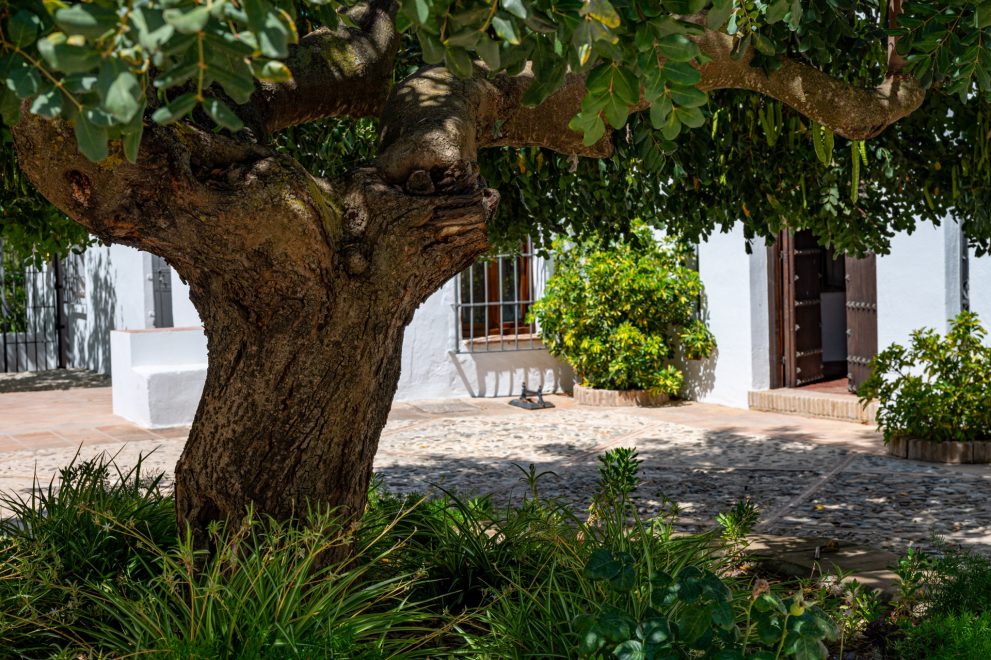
pixel 809 477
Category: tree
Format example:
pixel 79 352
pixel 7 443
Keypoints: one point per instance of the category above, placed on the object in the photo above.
pixel 157 124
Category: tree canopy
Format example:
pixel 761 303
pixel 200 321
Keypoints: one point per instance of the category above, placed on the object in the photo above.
pixel 701 156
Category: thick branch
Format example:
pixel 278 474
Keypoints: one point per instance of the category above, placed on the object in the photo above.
pixel 341 72
pixel 852 112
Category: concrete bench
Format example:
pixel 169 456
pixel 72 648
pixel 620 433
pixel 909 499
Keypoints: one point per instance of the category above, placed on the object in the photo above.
pixel 158 375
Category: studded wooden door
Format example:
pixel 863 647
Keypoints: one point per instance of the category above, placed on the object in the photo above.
pixel 801 273
pixel 861 318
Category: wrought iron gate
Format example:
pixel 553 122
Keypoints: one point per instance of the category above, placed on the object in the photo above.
pixel 32 315
pixel 161 274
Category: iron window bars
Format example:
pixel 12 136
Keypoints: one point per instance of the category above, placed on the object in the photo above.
pixel 493 298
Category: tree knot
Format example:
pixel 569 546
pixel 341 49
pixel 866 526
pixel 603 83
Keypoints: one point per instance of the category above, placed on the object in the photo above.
pixel 355 261
pixel 81 188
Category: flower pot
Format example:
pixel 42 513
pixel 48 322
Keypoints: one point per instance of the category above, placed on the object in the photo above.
pixel 590 396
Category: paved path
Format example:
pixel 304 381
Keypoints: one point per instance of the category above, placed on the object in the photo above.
pixel 810 477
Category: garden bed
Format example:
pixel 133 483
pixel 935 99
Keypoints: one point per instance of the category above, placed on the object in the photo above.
pixel 918 449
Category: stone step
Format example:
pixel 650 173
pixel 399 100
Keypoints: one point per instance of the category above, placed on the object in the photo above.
pixel 825 405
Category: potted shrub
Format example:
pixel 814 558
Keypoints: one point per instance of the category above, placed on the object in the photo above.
pixel 620 313
pixel 934 397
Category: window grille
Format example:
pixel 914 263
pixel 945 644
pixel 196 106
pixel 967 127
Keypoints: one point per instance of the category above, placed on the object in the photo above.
pixel 493 301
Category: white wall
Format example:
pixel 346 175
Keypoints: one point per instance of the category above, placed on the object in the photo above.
pixel 736 309
pixel 184 315
pixel 114 293
pixel 433 368
pixel 980 287
pixel 912 285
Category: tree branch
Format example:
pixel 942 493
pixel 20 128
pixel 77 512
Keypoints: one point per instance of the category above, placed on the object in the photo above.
pixel 852 112
pixel 341 72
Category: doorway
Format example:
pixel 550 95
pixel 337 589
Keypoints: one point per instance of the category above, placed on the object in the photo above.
pixel 823 315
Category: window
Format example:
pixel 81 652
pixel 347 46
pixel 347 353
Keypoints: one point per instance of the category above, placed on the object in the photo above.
pixel 494 297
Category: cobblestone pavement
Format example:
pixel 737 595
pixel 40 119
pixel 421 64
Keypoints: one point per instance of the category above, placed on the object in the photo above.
pixel 809 477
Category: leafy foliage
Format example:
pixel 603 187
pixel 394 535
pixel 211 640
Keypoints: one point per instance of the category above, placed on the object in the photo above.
pixel 427 578
pixel 939 388
pixel 617 313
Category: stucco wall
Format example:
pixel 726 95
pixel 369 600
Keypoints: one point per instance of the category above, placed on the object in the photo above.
pixel 736 310
pixel 912 285
pixel 980 287
pixel 114 293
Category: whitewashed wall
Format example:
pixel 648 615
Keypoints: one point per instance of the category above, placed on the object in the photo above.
pixel 912 285
pixel 432 367
pixel 115 293
pixel 736 310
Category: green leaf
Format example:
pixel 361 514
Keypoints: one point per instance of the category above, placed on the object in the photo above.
pixel 23 27
pixel 681 73
pixel 222 115
pixel 719 13
pixel 776 11
pixel 153 32
pixel 763 44
pixel 514 7
pixel 660 111
pixel 466 38
pixel 90 138
pixel 65 57
pixel 601 11
pixel 688 97
pixel 433 50
pixel 690 117
pixel 178 108
pixel 274 37
pixel 505 29
pixel 684 7
pixel 796 14
pixel 458 62
pixel 677 48
pixel 24 80
pixel 236 79
pixel 489 50
pixel 47 104
pixel 187 21
pixel 672 128
pixel 131 136
pixel 120 91
pixel 271 71
pixel 177 75
pixel 89 20
pixel 601 565
pixel 631 649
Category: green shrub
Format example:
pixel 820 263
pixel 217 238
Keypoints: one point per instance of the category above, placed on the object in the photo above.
pixel 619 313
pixel 939 388
pixel 963 636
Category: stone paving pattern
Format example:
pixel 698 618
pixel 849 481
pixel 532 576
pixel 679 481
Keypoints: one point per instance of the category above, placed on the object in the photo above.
pixel 810 477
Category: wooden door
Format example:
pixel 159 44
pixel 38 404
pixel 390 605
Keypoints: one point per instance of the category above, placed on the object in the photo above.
pixel 861 318
pixel 802 317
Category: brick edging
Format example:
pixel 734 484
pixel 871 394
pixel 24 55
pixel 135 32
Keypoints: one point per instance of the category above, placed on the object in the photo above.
pixel 590 396
pixel 917 449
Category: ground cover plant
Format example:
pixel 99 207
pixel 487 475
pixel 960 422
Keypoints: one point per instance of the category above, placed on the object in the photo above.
pixel 938 387
pixel 431 578
pixel 621 312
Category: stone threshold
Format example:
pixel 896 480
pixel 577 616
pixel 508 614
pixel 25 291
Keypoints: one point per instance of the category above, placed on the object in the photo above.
pixel 809 403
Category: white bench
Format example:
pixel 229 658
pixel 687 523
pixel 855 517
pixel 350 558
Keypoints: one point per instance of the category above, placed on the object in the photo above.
pixel 158 375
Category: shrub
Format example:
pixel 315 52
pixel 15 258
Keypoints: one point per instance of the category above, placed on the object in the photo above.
pixel 618 313
pixel 942 637
pixel 939 388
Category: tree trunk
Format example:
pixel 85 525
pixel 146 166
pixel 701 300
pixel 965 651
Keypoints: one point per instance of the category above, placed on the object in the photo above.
pixel 292 410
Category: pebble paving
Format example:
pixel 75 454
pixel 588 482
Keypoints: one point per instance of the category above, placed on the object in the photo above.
pixel 803 487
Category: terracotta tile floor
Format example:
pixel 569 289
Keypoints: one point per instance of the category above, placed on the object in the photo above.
pixel 67 418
